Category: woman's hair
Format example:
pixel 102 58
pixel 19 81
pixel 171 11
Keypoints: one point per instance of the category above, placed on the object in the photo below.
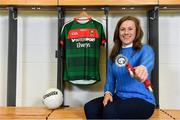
pixel 117 42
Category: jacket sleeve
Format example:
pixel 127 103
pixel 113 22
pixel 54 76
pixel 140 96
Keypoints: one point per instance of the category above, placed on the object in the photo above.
pixel 110 80
pixel 148 58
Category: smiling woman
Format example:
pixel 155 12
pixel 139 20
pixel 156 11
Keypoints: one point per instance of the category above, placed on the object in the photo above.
pixel 126 97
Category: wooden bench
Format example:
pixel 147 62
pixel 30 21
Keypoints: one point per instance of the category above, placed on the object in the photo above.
pixel 24 113
pixel 38 113
pixel 67 113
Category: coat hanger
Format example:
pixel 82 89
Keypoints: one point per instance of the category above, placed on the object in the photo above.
pixel 83 16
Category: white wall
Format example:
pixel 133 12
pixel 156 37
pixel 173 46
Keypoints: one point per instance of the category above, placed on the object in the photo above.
pixel 169 59
pixel 37 65
pixel 3 56
pixel 37 42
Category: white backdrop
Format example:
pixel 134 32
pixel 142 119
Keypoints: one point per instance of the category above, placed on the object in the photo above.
pixel 169 59
pixel 3 56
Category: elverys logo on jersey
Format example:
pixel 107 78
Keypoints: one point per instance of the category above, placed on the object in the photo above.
pixel 121 60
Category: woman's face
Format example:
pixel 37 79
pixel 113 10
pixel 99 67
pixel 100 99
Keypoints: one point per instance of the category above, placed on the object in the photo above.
pixel 127 32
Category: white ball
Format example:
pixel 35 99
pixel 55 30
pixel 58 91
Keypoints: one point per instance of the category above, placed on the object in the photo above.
pixel 53 98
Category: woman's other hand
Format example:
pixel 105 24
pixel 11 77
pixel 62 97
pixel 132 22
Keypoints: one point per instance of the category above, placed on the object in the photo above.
pixel 107 98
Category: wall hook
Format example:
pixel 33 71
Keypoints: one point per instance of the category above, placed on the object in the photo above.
pixel 154 12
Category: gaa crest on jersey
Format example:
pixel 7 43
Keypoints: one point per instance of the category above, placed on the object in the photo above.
pixel 121 60
pixel 91 33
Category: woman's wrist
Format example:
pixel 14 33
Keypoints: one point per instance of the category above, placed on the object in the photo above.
pixel 107 92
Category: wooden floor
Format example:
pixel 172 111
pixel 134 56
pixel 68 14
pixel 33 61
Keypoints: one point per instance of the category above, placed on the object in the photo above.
pixel 32 113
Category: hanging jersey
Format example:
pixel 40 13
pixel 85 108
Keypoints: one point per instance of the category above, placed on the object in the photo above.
pixel 82 43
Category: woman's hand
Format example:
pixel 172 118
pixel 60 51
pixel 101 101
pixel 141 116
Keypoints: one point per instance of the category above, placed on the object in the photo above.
pixel 107 98
pixel 141 73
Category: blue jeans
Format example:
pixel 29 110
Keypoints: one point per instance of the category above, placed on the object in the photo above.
pixel 132 108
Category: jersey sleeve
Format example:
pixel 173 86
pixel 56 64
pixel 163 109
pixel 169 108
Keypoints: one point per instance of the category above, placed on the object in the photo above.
pixel 148 58
pixel 62 37
pixel 103 37
pixel 110 80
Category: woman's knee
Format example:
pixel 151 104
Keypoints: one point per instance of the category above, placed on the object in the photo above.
pixel 88 106
pixel 93 109
pixel 93 104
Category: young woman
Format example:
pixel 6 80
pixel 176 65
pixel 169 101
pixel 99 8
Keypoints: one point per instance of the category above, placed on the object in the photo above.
pixel 126 97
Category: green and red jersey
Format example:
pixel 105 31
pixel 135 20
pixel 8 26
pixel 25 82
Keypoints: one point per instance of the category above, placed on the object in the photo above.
pixel 82 43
